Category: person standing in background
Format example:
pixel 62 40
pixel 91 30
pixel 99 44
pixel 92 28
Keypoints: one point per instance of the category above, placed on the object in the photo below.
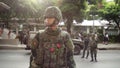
pixel 106 38
pixel 93 48
pixel 86 42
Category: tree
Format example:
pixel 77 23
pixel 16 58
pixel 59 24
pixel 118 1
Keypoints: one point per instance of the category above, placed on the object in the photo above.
pixel 92 9
pixel 73 10
pixel 21 9
pixel 111 12
pixel 117 2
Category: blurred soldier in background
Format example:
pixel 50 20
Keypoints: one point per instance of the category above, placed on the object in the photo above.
pixel 93 48
pixel 86 42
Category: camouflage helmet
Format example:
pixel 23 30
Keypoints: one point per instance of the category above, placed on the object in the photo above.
pixel 53 11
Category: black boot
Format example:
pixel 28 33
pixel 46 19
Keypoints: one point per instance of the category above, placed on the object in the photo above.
pixel 95 59
pixel 82 57
pixel 91 60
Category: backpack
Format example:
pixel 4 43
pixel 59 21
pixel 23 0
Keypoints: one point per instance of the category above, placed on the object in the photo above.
pixel 51 51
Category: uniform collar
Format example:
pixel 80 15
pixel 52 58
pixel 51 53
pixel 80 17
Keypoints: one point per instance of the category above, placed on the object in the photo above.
pixel 55 32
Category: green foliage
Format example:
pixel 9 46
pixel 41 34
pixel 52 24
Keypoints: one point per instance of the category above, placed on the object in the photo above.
pixel 92 9
pixel 117 2
pixel 30 8
pixel 73 9
pixel 111 11
pixel 114 38
pixel 110 8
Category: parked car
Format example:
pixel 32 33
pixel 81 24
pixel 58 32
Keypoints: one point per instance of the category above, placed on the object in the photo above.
pixel 78 46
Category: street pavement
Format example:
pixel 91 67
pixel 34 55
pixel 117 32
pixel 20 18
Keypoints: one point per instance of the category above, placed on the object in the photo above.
pixel 110 46
pixel 14 58
pixel 7 46
pixel 20 59
pixel 106 59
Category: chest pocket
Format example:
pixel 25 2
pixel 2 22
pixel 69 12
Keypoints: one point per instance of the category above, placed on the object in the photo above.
pixel 53 44
pixel 52 50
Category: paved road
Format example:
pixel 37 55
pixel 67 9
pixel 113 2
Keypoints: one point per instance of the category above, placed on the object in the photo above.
pixel 20 59
pixel 106 59
pixel 14 58
pixel 110 46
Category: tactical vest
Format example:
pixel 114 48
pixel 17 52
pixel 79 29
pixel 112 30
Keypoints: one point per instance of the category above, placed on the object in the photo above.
pixel 93 44
pixel 51 52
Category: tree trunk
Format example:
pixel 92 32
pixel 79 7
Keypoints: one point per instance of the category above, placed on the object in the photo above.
pixel 69 24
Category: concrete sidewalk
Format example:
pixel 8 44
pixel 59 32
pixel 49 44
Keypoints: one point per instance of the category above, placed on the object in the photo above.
pixel 13 47
pixel 111 46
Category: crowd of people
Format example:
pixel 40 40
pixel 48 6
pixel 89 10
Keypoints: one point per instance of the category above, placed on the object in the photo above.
pixel 24 38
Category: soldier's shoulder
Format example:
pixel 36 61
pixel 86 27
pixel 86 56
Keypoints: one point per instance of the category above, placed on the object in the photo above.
pixel 64 33
pixel 41 31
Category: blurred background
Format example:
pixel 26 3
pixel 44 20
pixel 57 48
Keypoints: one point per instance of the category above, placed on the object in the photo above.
pixel 79 16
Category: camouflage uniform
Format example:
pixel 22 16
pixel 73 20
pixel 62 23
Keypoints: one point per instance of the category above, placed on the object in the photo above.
pixel 93 48
pixel 52 48
pixel 86 42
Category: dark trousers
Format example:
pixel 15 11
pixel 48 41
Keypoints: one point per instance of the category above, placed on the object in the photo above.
pixel 84 50
pixel 93 52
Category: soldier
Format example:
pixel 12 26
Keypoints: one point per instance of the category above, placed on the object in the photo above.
pixel 52 47
pixel 86 42
pixel 93 48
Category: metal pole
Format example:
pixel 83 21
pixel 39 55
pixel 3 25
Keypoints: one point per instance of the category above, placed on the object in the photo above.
pixel 93 25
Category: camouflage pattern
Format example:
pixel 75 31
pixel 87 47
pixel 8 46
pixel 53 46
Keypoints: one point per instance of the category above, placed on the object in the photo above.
pixel 52 49
pixel 53 11
pixel 93 48
pixel 86 42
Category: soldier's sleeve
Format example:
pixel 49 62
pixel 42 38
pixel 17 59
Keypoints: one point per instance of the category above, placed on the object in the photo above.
pixel 34 44
pixel 35 41
pixel 70 52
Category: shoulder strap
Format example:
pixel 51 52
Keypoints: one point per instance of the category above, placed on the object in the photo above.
pixel 40 36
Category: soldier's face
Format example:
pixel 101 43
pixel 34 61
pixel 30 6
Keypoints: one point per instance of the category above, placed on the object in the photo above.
pixel 49 21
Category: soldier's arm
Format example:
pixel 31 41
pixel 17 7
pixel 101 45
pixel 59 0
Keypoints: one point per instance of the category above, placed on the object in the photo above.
pixel 34 44
pixel 70 52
